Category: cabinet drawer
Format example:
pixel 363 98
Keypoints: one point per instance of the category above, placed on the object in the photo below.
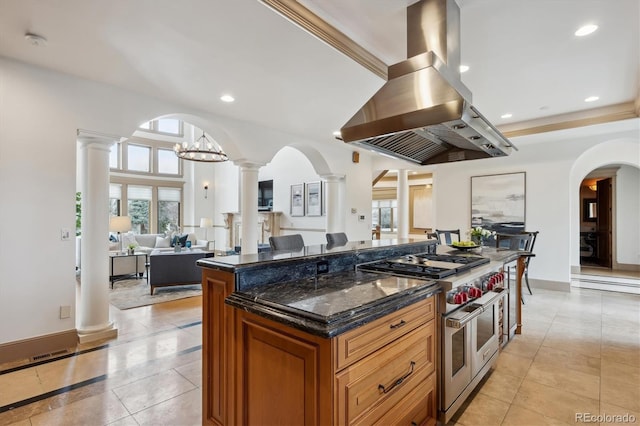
pixel 418 408
pixel 356 344
pixel 383 379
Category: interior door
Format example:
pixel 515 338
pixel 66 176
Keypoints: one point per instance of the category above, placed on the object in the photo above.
pixel 604 222
pixel 419 209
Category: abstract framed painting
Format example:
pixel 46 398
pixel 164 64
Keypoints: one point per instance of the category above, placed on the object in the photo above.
pixel 498 202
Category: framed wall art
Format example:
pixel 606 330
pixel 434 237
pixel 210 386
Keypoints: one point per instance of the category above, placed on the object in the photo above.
pixel 297 199
pixel 498 202
pixel 313 191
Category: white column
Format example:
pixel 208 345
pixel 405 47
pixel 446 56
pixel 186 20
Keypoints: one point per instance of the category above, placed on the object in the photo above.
pixel 335 202
pixel 93 318
pixel 249 205
pixel 403 204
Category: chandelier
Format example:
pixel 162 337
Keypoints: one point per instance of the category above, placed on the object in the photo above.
pixel 202 149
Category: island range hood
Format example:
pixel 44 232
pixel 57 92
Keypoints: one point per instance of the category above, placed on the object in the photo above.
pixel 423 113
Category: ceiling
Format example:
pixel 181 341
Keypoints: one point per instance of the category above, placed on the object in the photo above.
pixel 524 58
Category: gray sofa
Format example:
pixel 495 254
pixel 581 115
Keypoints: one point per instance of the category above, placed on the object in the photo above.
pixel 167 268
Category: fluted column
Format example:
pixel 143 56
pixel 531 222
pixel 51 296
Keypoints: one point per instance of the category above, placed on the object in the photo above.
pixel 334 186
pixel 249 205
pixel 403 204
pixel 93 319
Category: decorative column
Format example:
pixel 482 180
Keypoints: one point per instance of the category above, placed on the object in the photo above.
pixel 249 205
pixel 403 204
pixel 93 322
pixel 335 202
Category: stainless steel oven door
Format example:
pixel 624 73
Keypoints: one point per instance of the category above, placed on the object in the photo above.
pixel 485 336
pixel 456 357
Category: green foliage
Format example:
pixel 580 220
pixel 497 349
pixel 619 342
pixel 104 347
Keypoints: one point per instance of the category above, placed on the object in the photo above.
pixel 78 213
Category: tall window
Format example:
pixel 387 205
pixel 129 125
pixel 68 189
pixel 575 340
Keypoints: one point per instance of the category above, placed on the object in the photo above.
pixel 139 208
pixel 115 196
pixel 114 156
pixel 383 213
pixel 168 162
pixel 138 158
pixel 168 209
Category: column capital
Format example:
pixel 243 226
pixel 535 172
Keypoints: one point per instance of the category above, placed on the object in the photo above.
pixel 248 164
pixel 332 177
pixel 96 139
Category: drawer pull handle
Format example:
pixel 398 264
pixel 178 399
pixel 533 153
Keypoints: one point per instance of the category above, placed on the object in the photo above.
pixel 399 381
pixel 398 325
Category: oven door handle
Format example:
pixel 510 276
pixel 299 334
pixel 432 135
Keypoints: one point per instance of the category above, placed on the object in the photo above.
pixel 459 322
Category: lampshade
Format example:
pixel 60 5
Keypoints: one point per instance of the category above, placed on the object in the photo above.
pixel 206 222
pixel 203 149
pixel 120 224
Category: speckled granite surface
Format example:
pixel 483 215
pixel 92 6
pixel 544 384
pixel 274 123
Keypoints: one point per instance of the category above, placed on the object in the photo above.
pixel 333 303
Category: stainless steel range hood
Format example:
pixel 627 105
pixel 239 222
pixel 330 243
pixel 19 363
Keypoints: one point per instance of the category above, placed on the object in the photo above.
pixel 423 113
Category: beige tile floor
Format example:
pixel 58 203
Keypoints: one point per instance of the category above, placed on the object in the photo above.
pixel 579 353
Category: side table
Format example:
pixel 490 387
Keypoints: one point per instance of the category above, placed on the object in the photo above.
pixel 123 266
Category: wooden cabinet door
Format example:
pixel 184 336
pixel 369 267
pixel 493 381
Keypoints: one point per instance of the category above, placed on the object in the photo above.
pixel 286 375
pixel 604 222
pixel 217 360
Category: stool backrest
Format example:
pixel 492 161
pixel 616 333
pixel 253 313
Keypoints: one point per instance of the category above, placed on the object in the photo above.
pixel 447 236
pixel 292 242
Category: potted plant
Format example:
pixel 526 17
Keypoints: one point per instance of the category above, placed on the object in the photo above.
pixel 131 247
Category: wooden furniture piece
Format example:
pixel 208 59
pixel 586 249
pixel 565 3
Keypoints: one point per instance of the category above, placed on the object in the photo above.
pixel 258 371
pixel 375 233
pixel 446 237
pixel 171 268
pixel 124 266
pixel 523 241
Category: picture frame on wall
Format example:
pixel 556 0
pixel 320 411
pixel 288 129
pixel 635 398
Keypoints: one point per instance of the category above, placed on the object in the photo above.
pixel 498 202
pixel 313 198
pixel 297 199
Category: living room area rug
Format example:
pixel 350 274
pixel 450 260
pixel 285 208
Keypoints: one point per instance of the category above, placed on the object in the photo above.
pixel 127 294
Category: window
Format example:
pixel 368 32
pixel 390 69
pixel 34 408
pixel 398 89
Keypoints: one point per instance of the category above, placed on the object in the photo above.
pixel 168 162
pixel 115 196
pixel 114 156
pixel 383 213
pixel 138 158
pixel 138 208
pixel 168 209
pixel 167 126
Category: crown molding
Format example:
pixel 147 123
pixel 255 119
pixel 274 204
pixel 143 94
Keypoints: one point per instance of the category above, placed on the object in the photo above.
pixel 303 17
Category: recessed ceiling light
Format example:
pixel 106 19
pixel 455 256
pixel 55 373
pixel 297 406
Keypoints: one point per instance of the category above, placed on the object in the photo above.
pixel 586 30
pixel 227 98
pixel 35 39
pixel 591 99
pixel 464 68
pixel 507 115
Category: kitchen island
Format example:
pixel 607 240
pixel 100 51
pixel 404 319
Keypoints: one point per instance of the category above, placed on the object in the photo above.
pixel 305 338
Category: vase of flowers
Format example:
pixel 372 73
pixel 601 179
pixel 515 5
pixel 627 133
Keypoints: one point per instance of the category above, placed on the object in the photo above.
pixel 479 234
pixel 131 248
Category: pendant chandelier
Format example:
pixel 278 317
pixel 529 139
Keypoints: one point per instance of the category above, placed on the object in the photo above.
pixel 202 149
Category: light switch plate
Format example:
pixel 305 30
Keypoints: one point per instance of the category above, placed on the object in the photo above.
pixel 65 234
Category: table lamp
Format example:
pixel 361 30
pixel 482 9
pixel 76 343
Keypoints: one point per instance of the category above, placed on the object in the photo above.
pixel 206 223
pixel 120 224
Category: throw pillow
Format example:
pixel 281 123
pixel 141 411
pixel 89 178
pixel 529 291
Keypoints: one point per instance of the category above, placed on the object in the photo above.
pixel 179 238
pixel 162 242
pixel 127 239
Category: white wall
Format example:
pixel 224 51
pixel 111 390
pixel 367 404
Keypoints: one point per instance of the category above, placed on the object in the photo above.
pixel 552 189
pixel 628 215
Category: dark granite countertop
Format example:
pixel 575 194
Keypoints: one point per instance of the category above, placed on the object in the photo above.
pixel 236 262
pixel 333 303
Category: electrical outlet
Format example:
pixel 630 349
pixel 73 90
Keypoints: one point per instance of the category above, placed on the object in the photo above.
pixel 361 218
pixel 322 267
pixel 65 234
pixel 65 312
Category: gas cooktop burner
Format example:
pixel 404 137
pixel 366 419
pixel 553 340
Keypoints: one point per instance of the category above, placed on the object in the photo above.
pixel 426 265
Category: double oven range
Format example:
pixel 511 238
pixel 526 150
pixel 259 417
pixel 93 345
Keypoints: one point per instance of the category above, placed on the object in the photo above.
pixel 472 308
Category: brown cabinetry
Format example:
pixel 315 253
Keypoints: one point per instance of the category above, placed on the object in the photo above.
pixel 262 372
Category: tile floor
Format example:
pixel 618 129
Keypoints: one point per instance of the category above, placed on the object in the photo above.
pixel 579 353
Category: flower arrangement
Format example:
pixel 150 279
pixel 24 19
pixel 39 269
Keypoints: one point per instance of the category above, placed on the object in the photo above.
pixel 478 234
